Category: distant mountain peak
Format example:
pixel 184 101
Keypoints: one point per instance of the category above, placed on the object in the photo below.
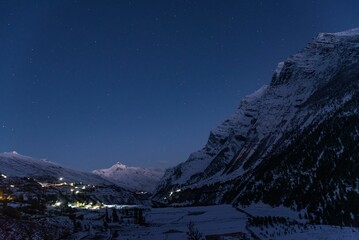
pixel 350 32
pixel 119 165
pixel 12 153
pixel 135 178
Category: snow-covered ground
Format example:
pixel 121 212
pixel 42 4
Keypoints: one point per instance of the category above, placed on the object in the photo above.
pixel 224 220
pixel 171 223
pixel 323 232
pixel 297 232
pixel 261 210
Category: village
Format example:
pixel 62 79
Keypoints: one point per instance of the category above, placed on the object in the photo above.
pixel 56 202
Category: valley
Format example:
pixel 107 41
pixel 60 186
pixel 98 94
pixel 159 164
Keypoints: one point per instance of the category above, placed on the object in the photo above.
pixel 284 166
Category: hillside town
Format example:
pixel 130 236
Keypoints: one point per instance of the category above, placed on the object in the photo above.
pixel 29 204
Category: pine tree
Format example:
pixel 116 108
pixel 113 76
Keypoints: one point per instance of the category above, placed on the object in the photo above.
pixel 107 219
pixel 115 217
pixel 193 233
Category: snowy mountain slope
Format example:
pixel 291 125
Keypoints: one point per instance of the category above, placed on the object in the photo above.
pixel 16 165
pixel 136 178
pixel 13 164
pixel 308 112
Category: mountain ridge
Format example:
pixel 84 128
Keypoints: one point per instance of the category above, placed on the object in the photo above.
pixel 18 165
pixel 306 91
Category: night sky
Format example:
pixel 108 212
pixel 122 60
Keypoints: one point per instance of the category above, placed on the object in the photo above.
pixel 90 83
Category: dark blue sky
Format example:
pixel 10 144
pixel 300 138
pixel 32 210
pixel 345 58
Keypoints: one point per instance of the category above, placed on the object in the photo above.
pixel 90 83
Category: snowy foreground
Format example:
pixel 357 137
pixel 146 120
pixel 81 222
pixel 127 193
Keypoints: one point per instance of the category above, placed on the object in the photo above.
pixel 220 222
pixel 226 222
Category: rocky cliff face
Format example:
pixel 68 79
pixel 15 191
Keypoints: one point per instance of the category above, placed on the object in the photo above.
pixel 292 143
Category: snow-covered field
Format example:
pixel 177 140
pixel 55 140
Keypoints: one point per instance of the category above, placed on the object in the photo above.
pixel 260 209
pixel 323 232
pixel 220 222
pixel 171 223
pixel 224 220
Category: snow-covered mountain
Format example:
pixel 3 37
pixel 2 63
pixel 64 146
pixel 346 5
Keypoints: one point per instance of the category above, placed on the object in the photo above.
pixel 135 178
pixel 13 164
pixel 292 143
pixel 17 165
